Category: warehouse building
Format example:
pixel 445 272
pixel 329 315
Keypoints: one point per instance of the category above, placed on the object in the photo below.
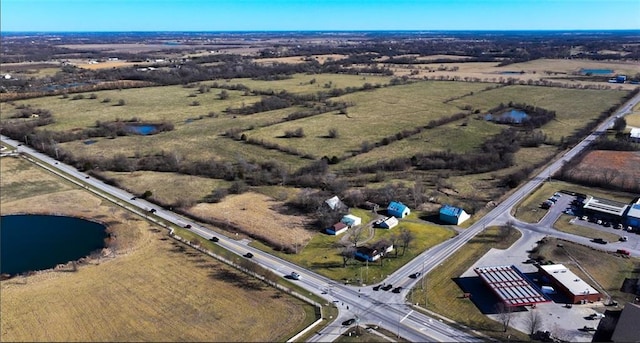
pixel 569 284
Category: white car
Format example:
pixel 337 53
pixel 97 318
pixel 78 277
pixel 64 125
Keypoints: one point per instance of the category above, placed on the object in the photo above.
pixel 295 276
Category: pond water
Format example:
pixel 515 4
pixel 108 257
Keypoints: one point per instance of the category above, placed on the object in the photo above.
pixel 38 242
pixel 511 116
pixel 143 129
pixel 596 71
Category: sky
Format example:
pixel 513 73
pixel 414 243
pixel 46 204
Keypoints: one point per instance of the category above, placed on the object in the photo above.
pixel 311 15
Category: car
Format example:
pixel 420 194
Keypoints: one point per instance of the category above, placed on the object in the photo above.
pixel 397 289
pixel 153 210
pixel 584 218
pixel 86 177
pixel 599 241
pixel 623 252
pixel 56 163
pixel 376 288
pixel 214 239
pixel 599 221
pixel 387 287
pixel 349 322
pixel 557 195
pixel 415 275
pixel 188 226
pixel 624 238
pixel 248 255
pixel 295 276
pixel 134 198
pixel 619 227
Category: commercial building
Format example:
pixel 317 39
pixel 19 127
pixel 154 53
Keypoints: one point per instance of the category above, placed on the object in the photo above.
pixel 632 217
pixel 565 281
pixel 511 286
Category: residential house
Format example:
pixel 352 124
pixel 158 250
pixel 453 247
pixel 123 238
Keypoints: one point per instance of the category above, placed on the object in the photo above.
pixel 398 209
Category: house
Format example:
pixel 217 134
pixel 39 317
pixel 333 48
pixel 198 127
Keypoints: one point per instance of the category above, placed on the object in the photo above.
pixel 335 203
pixel 634 135
pixel 371 254
pixel 388 223
pixel 398 209
pixel 453 215
pixel 351 220
pixel 337 228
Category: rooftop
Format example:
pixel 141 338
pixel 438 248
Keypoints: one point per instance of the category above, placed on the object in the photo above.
pixel 510 285
pixel 605 206
pixel 449 210
pixel 574 284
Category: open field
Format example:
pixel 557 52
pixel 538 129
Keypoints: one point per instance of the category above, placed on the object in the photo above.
pixel 300 59
pixel 311 84
pixel 444 295
pixel 153 289
pixel 607 269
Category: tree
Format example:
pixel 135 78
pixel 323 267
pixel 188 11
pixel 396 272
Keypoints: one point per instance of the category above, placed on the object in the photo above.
pixel 406 237
pixel 146 194
pixel 619 124
pixel 333 133
pixel 394 238
pixel 347 254
pixel 533 321
pixel 504 314
pixel 121 102
pixel 355 234
pixel 223 94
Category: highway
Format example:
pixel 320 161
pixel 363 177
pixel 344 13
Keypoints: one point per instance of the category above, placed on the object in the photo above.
pixel 383 308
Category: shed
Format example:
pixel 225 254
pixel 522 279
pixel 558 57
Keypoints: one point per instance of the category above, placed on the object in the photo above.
pixel 337 228
pixel 453 215
pixel 389 222
pixel 351 220
pixel 634 135
pixel 335 203
pixel 398 209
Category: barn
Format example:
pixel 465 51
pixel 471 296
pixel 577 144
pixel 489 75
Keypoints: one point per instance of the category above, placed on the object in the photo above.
pixel 389 222
pixel 572 286
pixel 398 209
pixel 337 229
pixel 453 215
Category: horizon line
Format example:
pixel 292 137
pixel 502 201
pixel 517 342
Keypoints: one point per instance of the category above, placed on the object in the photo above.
pixel 324 30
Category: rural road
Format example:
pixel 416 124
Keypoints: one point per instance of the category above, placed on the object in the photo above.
pixel 386 309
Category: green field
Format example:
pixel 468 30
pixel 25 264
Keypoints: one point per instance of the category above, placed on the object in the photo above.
pixel 302 83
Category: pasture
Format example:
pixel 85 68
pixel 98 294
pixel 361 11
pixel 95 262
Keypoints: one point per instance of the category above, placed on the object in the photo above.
pixel 312 83
pixel 152 289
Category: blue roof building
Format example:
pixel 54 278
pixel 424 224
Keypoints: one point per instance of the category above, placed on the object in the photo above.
pixel 398 209
pixel 453 215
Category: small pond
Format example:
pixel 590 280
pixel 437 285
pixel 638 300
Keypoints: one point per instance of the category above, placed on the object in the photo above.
pixel 596 71
pixel 143 129
pixel 511 116
pixel 39 242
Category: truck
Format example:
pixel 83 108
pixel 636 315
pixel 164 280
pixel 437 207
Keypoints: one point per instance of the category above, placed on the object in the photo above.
pixel 623 252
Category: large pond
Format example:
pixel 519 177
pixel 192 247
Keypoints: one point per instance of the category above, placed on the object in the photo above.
pixel 38 242
pixel 143 129
pixel 596 71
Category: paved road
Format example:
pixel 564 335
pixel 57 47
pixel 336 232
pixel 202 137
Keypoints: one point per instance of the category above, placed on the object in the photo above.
pixel 386 309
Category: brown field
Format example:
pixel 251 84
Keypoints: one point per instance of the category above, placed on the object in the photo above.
pixel 152 289
pixel 259 217
pixel 619 167
pixel 104 65
pixel 299 59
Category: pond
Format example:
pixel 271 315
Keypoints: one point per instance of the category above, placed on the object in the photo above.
pixel 511 116
pixel 596 71
pixel 39 242
pixel 143 129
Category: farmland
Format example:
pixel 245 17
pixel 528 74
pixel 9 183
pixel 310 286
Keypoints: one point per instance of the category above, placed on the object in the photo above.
pixel 153 289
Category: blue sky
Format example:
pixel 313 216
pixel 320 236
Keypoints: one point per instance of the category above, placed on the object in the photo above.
pixel 277 15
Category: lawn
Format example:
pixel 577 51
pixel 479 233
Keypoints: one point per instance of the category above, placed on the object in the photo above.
pixel 154 289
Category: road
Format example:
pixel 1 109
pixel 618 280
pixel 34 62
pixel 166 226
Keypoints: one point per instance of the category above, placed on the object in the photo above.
pixel 386 309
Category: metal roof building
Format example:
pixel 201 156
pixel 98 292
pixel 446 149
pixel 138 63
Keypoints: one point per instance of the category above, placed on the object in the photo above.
pixel 633 215
pixel 453 215
pixel 511 286
pixel 605 206
pixel 570 284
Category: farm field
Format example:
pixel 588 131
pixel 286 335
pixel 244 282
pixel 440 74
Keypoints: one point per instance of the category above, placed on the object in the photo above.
pixel 311 84
pixel 618 168
pixel 300 59
pixel 154 289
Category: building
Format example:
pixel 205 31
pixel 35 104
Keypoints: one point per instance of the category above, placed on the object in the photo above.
pixel 335 203
pixel 371 254
pixel 632 216
pixel 351 220
pixel 337 228
pixel 511 286
pixel 604 208
pixel 634 135
pixel 398 209
pixel 453 215
pixel 388 222
pixel 569 284
pixel 627 328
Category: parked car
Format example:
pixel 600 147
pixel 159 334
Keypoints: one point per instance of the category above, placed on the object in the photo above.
pixel 623 252
pixel 188 226
pixel 599 241
pixel 387 287
pixel 397 289
pixel 214 239
pixel 153 210
pixel 349 322
pixel 624 238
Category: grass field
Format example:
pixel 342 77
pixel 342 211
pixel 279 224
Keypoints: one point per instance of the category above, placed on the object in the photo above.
pixel 311 84
pixel 155 289
pixel 443 295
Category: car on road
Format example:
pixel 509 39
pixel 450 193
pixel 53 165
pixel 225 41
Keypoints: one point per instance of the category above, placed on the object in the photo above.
pixel 387 287
pixel 153 210
pixel 214 239
pixel 415 275
pixel 376 288
pixel 86 177
pixel 623 239
pixel 349 322
pixel 188 226
pixel 599 241
pixel 295 276
pixel 134 198
pixel 248 255
pixel 397 289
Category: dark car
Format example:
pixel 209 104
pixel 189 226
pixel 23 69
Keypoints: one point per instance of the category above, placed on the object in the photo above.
pixel 599 241
pixel 214 239
pixel 134 198
pixel 188 226
pixel 248 255
pixel 349 322
pixel 387 287
pixel 415 275
pixel 153 210
pixel 375 288
pixel 397 290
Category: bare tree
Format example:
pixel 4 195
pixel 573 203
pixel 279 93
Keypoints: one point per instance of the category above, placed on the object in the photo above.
pixel 355 234
pixel 394 238
pixel 406 237
pixel 504 314
pixel 533 321
pixel 347 254
pixel 418 192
